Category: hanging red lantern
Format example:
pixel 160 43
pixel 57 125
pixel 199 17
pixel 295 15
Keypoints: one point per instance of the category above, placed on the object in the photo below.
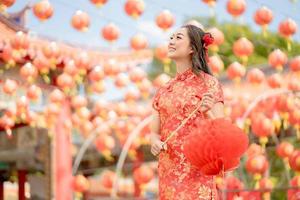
pixel 99 3
pixel 255 76
pixel 122 80
pixel 29 72
pixel 165 20
pixel 257 165
pixel 236 7
pixel 143 174
pixel 145 87
pixel 34 92
pixel 7 3
pixel 294 160
pixel 284 149
pixel 294 84
pixel 295 64
pixel 134 8
pixel 236 71
pixel 132 95
pixel 110 32
pixel 78 101
pixel 287 28
pixel 137 74
pixel 111 68
pixel 218 38
pixel 71 69
pixel 262 127
pixel 43 10
pixel 277 59
pixel 57 96
pixel 138 42
pixel 161 52
pixel 20 41
pixel 105 143
pixel 293 193
pixel 243 48
pixel 80 183
pixel 65 82
pixel 51 52
pixel 80 21
pixel 263 16
pixel 82 62
pixel 254 150
pixel 10 86
pixel 215 64
pixel 97 74
pixel 86 127
pixel 211 3
pixel 266 184
pixel 42 64
pixel 98 87
pixel 161 80
pixel 275 81
pixel 107 178
pixel 83 113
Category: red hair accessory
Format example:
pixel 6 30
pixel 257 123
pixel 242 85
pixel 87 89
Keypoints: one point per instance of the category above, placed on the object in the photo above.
pixel 207 39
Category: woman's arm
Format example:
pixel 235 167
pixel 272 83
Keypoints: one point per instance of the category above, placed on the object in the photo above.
pixel 217 110
pixel 155 125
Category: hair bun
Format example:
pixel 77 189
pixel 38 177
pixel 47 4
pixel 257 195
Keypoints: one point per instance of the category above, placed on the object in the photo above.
pixel 207 39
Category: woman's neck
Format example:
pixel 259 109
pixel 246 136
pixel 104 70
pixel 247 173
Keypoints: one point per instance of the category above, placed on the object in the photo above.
pixel 182 66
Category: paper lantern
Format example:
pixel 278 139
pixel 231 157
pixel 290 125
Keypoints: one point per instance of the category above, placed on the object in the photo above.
pixel 165 20
pixel 134 8
pixel 110 32
pixel 236 7
pixel 80 21
pixel 43 10
pixel 138 42
pixel 277 59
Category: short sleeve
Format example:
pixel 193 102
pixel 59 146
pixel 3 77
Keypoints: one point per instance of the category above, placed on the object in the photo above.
pixel 155 100
pixel 215 87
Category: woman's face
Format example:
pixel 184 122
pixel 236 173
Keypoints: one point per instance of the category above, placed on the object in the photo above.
pixel 179 45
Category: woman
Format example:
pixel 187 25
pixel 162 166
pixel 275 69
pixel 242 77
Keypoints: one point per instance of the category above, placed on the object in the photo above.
pixel 193 84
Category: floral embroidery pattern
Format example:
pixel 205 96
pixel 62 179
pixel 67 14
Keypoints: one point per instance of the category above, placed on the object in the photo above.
pixel 178 179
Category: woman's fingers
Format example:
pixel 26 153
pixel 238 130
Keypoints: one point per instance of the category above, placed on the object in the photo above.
pixel 158 147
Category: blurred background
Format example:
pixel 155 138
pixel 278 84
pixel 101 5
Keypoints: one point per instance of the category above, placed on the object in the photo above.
pixel 78 77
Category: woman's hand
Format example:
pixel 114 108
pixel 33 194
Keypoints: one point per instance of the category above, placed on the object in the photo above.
pixel 210 107
pixel 207 102
pixel 157 146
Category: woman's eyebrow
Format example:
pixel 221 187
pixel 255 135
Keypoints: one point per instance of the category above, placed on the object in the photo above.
pixel 180 34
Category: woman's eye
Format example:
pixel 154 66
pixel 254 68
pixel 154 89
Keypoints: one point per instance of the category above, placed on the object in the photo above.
pixel 178 37
pixel 171 38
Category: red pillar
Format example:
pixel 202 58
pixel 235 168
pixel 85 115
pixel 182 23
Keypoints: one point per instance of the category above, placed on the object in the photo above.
pixel 1 189
pixel 21 182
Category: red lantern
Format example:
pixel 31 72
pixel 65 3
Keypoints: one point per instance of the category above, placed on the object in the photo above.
pixel 254 150
pixel 111 68
pixel 43 10
pixel 266 184
pixel 257 164
pixel 29 72
pixel 161 52
pixel 51 51
pixel 284 149
pixel 161 80
pixel 98 3
pixel 80 21
pixel 236 7
pixel 243 48
pixel 287 28
pixel 42 64
pixel 83 113
pixel 86 127
pixel 218 38
pixel 104 143
pixel 10 86
pixel 20 41
pixel 34 92
pixel 143 174
pixel 137 74
pixel 145 87
pixel 57 96
pixel 293 194
pixel 278 59
pixel 138 42
pixel 122 80
pixel 79 101
pixel 110 32
pixel 210 2
pixel 97 74
pixel 294 160
pixel 165 20
pixel 236 71
pixel 65 82
pixel 294 117
pixel 82 62
pixel 70 68
pixel 262 126
pixel 263 16
pixel 7 3
pixel 255 76
pixel 132 95
pixel 134 8
pixel 295 64
pixel 275 81
pixel 294 84
pixel 215 64
pixel 107 178
pixel 81 184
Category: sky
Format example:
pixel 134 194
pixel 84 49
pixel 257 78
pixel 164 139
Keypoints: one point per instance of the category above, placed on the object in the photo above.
pixel 58 27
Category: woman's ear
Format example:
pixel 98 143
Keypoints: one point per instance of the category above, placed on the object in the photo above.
pixel 191 50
